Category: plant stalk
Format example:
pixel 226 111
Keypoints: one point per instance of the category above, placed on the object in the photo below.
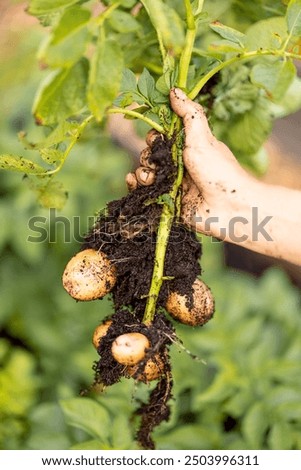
pixel 169 211
pixel 74 140
pixel 239 57
pixel 134 114
pixel 172 208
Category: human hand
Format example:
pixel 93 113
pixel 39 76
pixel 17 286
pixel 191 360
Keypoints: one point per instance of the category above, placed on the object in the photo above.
pixel 214 185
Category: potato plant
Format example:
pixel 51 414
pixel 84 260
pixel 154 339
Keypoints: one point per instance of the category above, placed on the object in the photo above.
pixel 103 60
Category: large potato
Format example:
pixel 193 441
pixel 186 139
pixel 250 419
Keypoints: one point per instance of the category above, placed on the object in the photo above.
pixel 202 305
pixel 89 275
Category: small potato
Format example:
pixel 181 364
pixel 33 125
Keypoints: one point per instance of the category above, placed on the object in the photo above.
pixel 153 369
pixel 129 349
pixel 89 275
pixel 131 181
pixel 100 331
pixel 202 308
pixel 151 136
pixel 144 159
pixel 145 176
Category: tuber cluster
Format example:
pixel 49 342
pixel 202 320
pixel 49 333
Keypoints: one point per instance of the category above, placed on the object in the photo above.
pixel 118 257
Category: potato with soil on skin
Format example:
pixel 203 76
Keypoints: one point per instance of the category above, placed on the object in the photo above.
pixel 100 331
pixel 89 275
pixel 130 348
pixel 153 369
pixel 202 308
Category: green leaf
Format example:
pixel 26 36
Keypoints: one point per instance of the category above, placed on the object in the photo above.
pixel 51 193
pixel 274 77
pixel 250 130
pixel 73 19
pixel 105 77
pixel 167 23
pixel 291 102
pixel 123 22
pixel 23 165
pixel 42 7
pixel 64 54
pixel 93 444
pixel 266 34
pixel 293 17
pixel 59 50
pixel 281 437
pixel 146 84
pixel 62 94
pixel 189 437
pixel 128 82
pixel 47 428
pixel 255 425
pixel 197 7
pixel 221 388
pixel 228 33
pixel 63 131
pixel 224 46
pixel 51 155
pixel 258 163
pixel 88 415
pixel 121 433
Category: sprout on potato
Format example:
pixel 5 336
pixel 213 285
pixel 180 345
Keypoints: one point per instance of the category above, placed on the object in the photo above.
pixel 202 308
pixel 130 348
pixel 89 275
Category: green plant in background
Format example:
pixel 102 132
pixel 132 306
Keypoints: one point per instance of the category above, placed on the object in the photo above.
pixel 244 76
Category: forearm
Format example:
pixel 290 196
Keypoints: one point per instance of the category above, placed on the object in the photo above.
pixel 263 218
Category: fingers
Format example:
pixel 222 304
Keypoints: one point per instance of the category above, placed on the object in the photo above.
pixel 145 174
pixel 194 119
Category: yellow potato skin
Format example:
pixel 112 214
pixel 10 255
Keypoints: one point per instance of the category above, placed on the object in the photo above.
pixel 153 369
pixel 130 348
pixel 202 305
pixel 99 332
pixel 89 275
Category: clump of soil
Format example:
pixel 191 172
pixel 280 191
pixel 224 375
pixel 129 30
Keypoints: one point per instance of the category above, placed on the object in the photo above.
pixel 126 233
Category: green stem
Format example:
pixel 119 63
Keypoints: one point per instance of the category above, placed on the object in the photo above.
pixel 172 207
pixel 98 20
pixel 129 112
pixel 75 137
pixel 189 43
pixel 185 57
pixel 168 214
pixel 165 224
pixel 243 56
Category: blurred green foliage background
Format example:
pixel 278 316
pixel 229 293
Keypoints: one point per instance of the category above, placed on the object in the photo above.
pixel 244 393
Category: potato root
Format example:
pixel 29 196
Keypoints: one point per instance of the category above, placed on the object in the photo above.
pixel 202 309
pixel 89 275
pixel 130 348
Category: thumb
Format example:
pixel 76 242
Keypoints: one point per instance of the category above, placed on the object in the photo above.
pixel 194 119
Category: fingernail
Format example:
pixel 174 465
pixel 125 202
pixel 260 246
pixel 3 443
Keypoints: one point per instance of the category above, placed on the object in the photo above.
pixel 180 94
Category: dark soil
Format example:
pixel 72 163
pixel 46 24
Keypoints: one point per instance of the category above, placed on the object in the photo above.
pixel 126 232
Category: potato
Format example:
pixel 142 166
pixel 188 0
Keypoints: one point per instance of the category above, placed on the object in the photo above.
pixel 129 349
pixel 144 158
pixel 145 176
pixel 100 331
pixel 202 308
pixel 151 136
pixel 153 369
pixel 89 275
